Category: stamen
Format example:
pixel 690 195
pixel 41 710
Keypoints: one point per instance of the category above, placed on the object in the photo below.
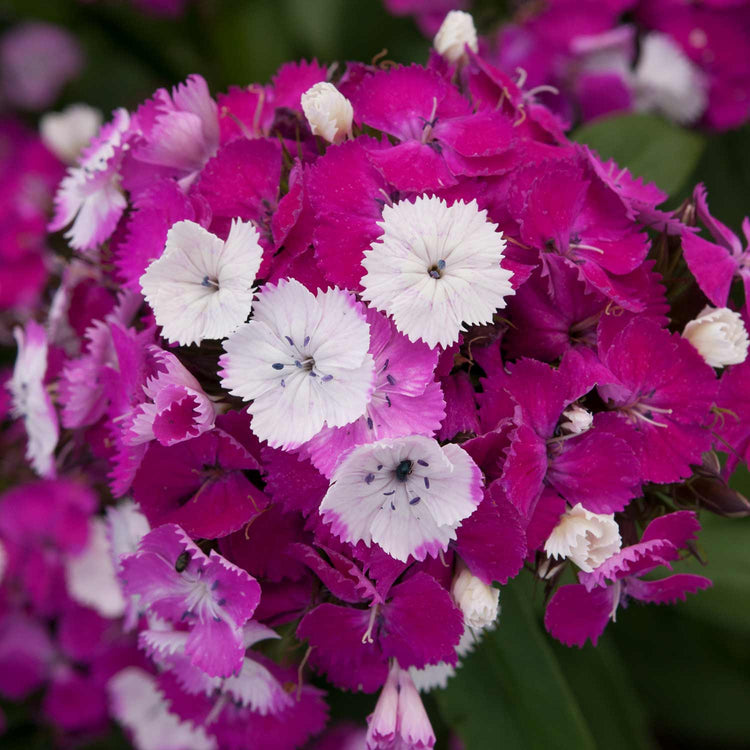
pixel 277 366
pixel 588 247
pixel 545 88
pixel 428 127
pixel 207 282
pixel 217 709
pixel 367 637
pixel 616 600
pixel 289 339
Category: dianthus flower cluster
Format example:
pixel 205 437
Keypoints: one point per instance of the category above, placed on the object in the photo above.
pixel 683 60
pixel 335 357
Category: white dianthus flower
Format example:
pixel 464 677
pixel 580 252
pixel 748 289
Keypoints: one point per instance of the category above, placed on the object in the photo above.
pixel 478 601
pixel 456 31
pixel 588 539
pixel 303 360
pixel 201 287
pixel 328 111
pixel 719 335
pixel 436 268
pixel 67 133
pixel 666 81
pixel 408 495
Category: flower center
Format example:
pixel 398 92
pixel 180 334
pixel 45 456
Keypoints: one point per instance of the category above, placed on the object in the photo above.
pixel 403 470
pixel 436 271
pixel 208 282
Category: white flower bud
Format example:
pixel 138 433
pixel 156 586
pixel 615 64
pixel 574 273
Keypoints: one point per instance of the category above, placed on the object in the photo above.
pixel 719 336
pixel 456 31
pixel 478 601
pixel 328 111
pixel 666 81
pixel 576 420
pixel 588 539
pixel 68 132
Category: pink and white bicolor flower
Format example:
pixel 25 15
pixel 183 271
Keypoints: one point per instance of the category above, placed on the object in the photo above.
pixel 31 401
pixel 408 495
pixel 253 686
pixel 303 360
pixel 201 287
pixel 399 719
pixel 177 409
pixel 436 269
pixel 135 701
pixel 90 194
pixel 178 583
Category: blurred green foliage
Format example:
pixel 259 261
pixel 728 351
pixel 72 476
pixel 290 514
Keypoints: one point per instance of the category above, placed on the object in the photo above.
pixel 670 677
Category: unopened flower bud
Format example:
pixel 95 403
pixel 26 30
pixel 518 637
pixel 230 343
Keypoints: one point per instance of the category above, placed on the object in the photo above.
pixel 719 336
pixel 588 539
pixel 399 718
pixel 67 133
pixel 456 31
pixel 328 111
pixel 576 420
pixel 478 601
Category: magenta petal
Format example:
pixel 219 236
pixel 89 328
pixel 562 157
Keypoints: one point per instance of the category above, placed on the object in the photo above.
pixel 292 481
pixel 667 590
pixel 343 579
pixel 242 180
pixel 402 100
pixel 491 541
pixel 413 167
pixel 460 406
pixel 422 625
pixel 178 421
pixel 215 647
pixel 712 266
pixel 479 134
pixel 575 615
pixel 630 561
pixel 679 528
pixel 199 484
pixel 488 450
pixel 336 635
pixel 525 468
pixel 157 208
pixel 346 192
pixel 598 470
pixel 544 518
pixel 260 548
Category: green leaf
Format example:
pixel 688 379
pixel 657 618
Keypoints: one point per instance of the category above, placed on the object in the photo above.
pixel 511 692
pixel 608 698
pixel 647 145
pixel 723 543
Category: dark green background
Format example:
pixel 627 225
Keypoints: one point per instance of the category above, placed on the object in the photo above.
pixel 669 677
